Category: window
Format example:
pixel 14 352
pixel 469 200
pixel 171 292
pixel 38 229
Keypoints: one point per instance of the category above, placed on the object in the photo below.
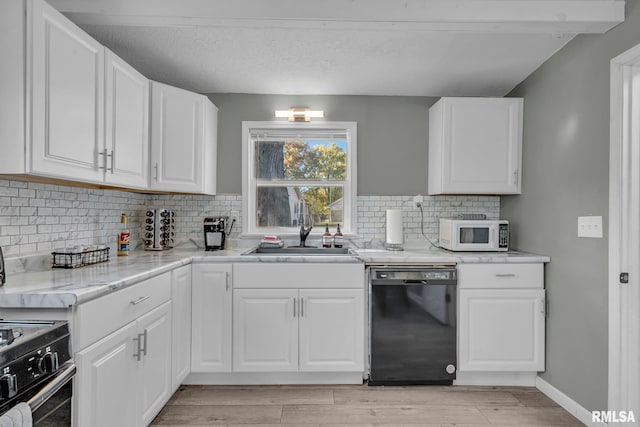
pixel 296 172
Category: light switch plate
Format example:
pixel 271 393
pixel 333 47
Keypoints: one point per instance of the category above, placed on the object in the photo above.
pixel 590 226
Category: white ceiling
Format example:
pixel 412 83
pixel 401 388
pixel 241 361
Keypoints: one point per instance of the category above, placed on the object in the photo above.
pixel 345 47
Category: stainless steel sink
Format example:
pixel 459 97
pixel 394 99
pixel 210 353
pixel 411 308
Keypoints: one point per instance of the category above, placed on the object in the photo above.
pixel 297 250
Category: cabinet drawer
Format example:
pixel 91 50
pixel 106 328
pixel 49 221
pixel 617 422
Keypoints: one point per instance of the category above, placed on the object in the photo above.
pixel 500 276
pixel 101 316
pixel 298 275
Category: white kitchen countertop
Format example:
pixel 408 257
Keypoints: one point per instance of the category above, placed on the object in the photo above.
pixel 61 288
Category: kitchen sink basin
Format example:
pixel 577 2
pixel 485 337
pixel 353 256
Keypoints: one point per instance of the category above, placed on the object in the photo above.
pixel 301 251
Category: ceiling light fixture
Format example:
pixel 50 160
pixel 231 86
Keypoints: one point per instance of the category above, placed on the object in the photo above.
pixel 299 114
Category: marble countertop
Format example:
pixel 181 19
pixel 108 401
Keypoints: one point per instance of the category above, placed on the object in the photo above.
pixel 46 287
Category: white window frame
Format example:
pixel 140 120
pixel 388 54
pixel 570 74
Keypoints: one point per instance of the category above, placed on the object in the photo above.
pixel 249 181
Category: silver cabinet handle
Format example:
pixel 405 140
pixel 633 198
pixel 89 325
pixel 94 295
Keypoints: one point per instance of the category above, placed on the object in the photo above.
pixel 226 279
pixel 144 340
pixel 301 307
pixel 155 167
pixel 141 345
pixel 138 353
pixel 103 153
pixel 515 176
pixel 139 300
pixel 294 306
pixel 506 275
pixel 112 160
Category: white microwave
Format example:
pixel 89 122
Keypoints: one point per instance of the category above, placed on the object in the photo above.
pixel 474 235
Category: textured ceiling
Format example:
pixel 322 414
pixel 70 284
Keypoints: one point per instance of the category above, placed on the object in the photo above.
pixel 349 47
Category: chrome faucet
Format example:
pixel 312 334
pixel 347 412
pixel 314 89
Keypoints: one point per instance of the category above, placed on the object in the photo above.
pixel 304 231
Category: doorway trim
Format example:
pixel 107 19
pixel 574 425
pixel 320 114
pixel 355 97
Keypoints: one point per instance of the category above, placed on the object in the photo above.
pixel 624 233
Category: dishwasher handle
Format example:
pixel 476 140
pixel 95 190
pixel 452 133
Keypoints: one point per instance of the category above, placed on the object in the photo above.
pixel 59 380
pixel 415 282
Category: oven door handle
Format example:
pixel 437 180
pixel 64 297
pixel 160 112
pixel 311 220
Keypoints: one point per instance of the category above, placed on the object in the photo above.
pixel 60 378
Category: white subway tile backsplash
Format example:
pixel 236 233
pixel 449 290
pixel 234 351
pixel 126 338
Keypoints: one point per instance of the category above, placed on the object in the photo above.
pixel 37 217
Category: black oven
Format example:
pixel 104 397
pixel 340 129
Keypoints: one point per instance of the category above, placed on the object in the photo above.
pixel 36 369
pixel 50 401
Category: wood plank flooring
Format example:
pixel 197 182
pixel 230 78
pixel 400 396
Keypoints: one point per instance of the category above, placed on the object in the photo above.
pixel 360 406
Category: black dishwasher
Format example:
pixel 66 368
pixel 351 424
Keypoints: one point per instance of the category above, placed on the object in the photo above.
pixel 412 333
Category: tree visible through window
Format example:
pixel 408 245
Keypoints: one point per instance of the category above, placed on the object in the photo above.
pixel 304 173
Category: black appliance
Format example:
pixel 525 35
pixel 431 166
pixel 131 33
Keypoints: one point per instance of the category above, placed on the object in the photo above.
pixel 215 233
pixel 159 229
pixel 412 313
pixel 36 366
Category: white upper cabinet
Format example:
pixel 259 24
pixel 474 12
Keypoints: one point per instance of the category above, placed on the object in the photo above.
pixel 183 140
pixel 475 146
pixel 71 109
pixel 125 157
pixel 67 89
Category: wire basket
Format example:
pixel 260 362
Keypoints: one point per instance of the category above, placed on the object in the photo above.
pixel 75 259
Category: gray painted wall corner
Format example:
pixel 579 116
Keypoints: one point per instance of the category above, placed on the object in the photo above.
pixel 566 175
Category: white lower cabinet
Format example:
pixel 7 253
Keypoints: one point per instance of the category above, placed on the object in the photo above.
pixel 288 330
pixel 504 330
pixel 181 328
pixel 211 317
pixel 502 318
pixel 123 354
pixel 155 363
pixel 331 329
pixel 125 378
pixel 265 330
pixel 104 373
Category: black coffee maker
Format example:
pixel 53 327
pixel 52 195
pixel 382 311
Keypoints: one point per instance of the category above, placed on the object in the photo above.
pixel 214 233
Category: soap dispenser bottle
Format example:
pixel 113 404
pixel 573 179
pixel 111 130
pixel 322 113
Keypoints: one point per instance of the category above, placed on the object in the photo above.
pixel 338 239
pixel 326 238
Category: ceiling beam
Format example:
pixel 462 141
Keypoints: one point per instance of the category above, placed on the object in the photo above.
pixel 499 16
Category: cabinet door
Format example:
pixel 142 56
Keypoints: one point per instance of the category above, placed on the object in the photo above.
pixel 475 146
pixel 211 318
pixel 501 330
pixel 181 320
pixel 265 330
pixel 125 158
pixel 177 135
pixel 154 330
pixel 106 379
pixel 331 330
pixel 67 95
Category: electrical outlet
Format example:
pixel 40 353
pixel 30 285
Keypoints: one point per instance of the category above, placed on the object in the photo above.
pixel 418 200
pixel 590 226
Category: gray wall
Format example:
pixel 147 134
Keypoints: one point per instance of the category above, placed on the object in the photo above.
pixel 392 136
pixel 566 174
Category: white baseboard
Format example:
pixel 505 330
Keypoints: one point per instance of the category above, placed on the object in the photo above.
pixel 252 378
pixel 567 403
pixel 524 379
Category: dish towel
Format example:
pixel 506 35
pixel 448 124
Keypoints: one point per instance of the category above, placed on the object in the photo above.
pixel 18 416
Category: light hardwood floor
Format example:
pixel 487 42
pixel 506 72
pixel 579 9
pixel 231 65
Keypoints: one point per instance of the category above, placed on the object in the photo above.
pixel 360 406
